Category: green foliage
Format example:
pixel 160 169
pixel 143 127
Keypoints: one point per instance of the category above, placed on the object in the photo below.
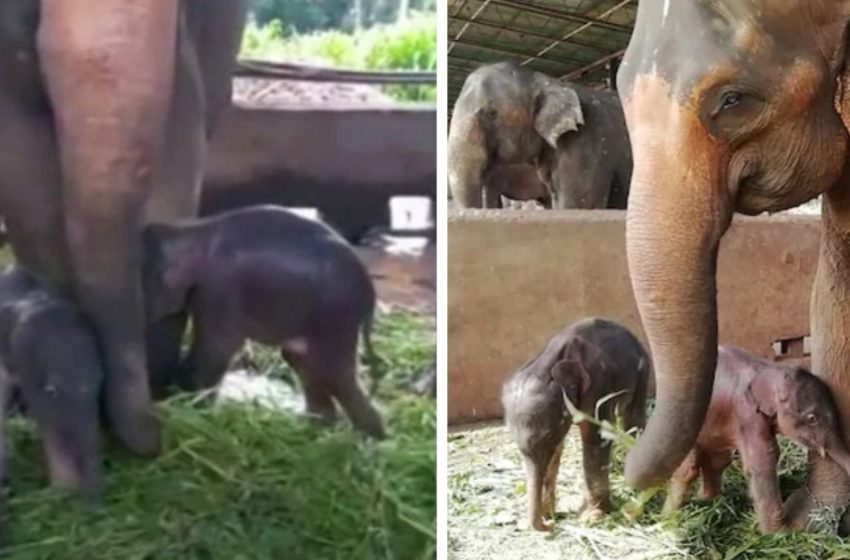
pixel 239 482
pixel 305 16
pixel 409 45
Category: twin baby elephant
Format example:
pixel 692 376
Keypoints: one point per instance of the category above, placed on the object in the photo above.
pixel 260 273
pixel 602 369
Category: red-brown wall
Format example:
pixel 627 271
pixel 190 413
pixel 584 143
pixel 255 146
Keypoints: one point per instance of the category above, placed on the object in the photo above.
pixel 517 277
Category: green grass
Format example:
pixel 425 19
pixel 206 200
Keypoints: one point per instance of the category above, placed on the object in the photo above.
pixel 410 45
pixel 237 481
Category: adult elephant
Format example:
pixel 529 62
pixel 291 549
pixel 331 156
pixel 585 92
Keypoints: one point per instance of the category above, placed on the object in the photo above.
pixel 733 106
pixel 105 114
pixel 510 122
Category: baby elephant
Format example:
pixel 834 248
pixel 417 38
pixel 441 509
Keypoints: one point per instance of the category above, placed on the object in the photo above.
pixel 49 360
pixel 751 402
pixel 585 363
pixel 268 275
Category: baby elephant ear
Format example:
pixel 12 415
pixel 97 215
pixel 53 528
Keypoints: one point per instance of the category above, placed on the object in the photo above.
pixel 558 111
pixel 573 379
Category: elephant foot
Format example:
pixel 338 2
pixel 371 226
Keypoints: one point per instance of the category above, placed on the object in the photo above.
pixel 542 525
pixel 132 422
pixel 594 510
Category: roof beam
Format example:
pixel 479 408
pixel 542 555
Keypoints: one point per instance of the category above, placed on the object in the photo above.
pixel 578 30
pixel 593 65
pixel 518 31
pixel 519 54
pixel 560 14
pixel 463 29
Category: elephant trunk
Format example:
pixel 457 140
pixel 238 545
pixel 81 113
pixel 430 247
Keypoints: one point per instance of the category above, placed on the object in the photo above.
pixel 677 215
pixel 837 451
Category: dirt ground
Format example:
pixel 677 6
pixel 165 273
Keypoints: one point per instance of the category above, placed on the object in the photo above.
pixel 282 94
pixel 487 508
pixel 486 487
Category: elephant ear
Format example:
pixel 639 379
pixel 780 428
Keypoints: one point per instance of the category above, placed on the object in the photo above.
pixel 840 65
pixel 573 378
pixel 558 110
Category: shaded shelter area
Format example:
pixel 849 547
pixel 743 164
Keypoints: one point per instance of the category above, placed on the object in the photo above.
pixel 575 40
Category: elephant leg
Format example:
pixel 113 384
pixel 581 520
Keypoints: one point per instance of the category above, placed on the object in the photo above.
pixel 828 485
pixel 333 367
pixel 109 74
pixel 596 458
pixel 216 339
pixel 492 197
pixel 535 472
pixel 550 483
pixel 176 187
pixel 680 484
pixel 713 465
pixel 353 399
pixel 318 400
pixel 217 32
pixel 30 192
pixel 164 340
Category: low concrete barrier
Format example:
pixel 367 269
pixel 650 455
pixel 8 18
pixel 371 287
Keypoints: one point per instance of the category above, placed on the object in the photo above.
pixel 346 162
pixel 516 278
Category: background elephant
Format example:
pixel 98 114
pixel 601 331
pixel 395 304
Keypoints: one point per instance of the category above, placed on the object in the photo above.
pixel 733 106
pixel 508 136
pixel 106 115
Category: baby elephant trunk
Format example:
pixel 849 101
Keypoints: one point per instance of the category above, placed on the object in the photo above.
pixel 837 451
pixel 73 466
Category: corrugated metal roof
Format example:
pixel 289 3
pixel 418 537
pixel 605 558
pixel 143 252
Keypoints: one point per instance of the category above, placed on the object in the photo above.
pixel 571 39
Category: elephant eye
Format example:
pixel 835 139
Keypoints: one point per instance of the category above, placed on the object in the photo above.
pixel 50 390
pixel 731 99
pixel 811 418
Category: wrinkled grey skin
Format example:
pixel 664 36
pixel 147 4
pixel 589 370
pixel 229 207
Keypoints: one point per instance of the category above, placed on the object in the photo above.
pixel 509 122
pixel 268 275
pixel 751 97
pixel 586 362
pixel 754 400
pixel 106 115
pixel 50 361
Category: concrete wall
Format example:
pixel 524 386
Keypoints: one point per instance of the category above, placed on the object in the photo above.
pixel 346 162
pixel 515 278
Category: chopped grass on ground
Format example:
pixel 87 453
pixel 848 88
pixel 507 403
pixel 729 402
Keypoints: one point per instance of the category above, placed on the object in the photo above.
pixel 487 512
pixel 238 481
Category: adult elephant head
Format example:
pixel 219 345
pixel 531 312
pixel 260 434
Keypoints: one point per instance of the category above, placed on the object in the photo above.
pixel 745 94
pixel 508 120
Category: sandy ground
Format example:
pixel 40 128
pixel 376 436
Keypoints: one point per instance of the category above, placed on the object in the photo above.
pixel 404 272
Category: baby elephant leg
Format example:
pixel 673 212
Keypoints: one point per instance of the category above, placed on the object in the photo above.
pixel 318 399
pixel 680 483
pixel 713 465
pixel 335 368
pixel 759 454
pixel 538 465
pixel 212 349
pixel 550 482
pixel 596 455
pixel 163 349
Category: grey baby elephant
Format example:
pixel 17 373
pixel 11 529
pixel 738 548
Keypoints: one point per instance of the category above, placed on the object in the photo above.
pixel 268 275
pixel 586 362
pixel 49 360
